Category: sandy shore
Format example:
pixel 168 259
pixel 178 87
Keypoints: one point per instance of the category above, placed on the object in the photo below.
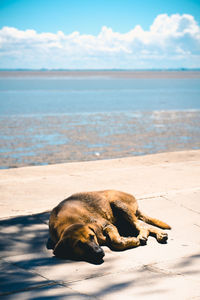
pixel 55 139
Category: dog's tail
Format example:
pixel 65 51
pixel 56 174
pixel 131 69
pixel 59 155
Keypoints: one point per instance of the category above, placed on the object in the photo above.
pixel 152 221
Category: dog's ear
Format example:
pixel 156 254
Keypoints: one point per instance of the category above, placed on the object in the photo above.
pixel 91 227
pixel 62 249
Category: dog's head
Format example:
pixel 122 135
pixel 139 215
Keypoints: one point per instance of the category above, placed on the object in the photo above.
pixel 79 242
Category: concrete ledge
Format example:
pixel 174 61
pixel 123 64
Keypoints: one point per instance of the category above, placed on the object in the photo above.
pixel 34 189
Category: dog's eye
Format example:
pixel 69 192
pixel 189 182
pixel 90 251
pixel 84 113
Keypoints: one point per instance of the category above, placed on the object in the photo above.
pixel 91 237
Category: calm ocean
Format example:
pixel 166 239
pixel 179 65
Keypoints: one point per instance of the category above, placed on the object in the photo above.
pixel 85 95
pixel 50 120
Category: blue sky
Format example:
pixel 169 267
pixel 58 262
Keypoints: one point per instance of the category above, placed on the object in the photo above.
pixel 125 34
pixel 88 16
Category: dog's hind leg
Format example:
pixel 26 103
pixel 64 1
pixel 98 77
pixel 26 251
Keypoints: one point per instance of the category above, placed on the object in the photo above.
pixel 117 242
pixel 152 221
pixel 122 210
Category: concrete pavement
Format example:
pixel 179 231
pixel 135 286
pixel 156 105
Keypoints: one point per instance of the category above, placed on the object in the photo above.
pixel 167 186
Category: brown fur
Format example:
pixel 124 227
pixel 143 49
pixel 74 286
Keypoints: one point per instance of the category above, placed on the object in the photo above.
pixel 82 223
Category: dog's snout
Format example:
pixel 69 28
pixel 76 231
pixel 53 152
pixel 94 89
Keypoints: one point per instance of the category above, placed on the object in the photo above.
pixel 96 250
pixel 96 247
pixel 100 252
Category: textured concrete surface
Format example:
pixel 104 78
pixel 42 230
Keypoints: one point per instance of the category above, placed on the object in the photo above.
pixel 167 187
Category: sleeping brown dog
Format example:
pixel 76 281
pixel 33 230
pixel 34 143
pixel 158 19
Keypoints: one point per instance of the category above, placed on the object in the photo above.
pixel 84 222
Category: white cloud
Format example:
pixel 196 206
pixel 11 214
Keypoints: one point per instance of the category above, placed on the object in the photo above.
pixel 172 41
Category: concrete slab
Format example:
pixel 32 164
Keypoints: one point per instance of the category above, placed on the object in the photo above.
pixel 187 199
pixel 168 188
pixel 189 266
pixel 141 283
pixel 185 222
pixel 179 245
pixel 114 262
pixel 14 279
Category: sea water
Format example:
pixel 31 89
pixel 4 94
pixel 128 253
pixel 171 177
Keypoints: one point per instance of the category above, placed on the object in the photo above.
pixel 50 120
pixel 23 96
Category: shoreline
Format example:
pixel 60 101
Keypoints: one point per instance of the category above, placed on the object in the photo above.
pixel 138 158
pixel 146 159
pixel 126 74
pixel 60 139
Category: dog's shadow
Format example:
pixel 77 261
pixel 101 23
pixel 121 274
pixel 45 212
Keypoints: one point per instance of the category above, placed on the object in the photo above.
pixel 25 235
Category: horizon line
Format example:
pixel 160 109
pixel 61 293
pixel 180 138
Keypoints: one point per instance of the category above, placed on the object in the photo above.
pixel 96 70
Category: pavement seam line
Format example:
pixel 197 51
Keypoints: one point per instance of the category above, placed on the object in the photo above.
pixel 28 271
pixel 74 290
pixel 154 269
pixel 168 193
pixel 138 267
pixel 180 205
pixel 34 287
pixel 197 225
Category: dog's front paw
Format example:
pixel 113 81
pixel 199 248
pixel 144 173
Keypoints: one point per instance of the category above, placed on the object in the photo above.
pixel 162 237
pixel 143 240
